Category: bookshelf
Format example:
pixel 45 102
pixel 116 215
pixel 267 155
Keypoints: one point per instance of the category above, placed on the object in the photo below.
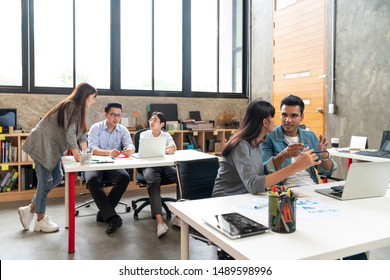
pixel 13 161
pixel 21 161
pixel 202 137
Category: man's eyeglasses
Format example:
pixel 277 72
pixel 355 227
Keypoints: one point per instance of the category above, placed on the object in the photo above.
pixel 113 115
pixel 154 120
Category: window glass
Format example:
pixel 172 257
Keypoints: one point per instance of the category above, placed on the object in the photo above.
pixel 168 45
pixel 10 52
pixel 136 44
pixel 53 43
pixel 230 46
pixel 204 45
pixel 93 42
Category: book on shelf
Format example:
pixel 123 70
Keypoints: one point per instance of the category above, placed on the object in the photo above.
pixel 5 179
pixel 9 180
pixel 13 179
pixel 24 154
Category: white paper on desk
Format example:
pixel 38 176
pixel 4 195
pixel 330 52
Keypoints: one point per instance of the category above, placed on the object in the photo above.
pixel 358 142
pixel 258 207
pixel 307 208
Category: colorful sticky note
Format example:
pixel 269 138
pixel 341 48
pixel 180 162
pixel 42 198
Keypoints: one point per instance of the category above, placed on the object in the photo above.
pixel 4 167
pixel 195 133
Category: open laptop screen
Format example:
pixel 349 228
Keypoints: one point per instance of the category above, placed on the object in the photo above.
pixel 385 143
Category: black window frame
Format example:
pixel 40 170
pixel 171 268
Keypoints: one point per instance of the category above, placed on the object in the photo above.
pixel 115 79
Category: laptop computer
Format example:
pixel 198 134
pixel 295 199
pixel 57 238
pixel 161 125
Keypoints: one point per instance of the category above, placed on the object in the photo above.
pixel 364 180
pixel 151 147
pixel 384 150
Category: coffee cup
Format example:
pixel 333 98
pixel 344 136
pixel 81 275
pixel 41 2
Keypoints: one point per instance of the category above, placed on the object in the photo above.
pixel 335 143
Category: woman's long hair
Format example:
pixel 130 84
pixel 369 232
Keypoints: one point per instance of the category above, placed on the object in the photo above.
pixel 252 124
pixel 78 97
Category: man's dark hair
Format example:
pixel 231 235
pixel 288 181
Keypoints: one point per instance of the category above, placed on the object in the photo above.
pixel 293 100
pixel 112 105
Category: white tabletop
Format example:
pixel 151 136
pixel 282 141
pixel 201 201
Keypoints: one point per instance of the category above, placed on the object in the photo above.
pixel 356 226
pixel 346 153
pixel 70 165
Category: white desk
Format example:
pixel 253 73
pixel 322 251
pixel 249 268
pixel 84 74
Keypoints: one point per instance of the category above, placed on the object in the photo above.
pixel 71 167
pixel 353 155
pixel 362 225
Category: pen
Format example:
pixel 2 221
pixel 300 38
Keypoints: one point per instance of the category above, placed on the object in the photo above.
pixel 316 152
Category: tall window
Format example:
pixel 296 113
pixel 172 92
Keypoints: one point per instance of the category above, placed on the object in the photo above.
pixel 151 45
pixel 93 42
pixel 53 43
pixel 11 43
pixel 136 44
pixel 217 64
pixel 125 47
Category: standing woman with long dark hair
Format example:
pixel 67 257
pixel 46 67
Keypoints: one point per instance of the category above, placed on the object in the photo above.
pixel 241 169
pixel 63 127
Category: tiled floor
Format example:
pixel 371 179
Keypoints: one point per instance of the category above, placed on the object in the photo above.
pixel 135 240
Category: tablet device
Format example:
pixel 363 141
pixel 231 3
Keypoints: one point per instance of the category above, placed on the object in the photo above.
pixel 234 225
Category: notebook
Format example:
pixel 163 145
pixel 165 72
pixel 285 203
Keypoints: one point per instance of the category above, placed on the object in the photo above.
pixel 364 180
pixel 384 150
pixel 151 147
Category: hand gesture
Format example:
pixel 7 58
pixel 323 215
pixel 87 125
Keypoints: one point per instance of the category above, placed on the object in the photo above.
pixel 322 144
pixel 293 150
pixel 306 160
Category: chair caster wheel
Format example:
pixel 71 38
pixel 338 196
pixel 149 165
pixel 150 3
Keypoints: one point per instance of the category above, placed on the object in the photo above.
pixel 135 216
pixel 76 213
pixel 134 205
pixel 128 209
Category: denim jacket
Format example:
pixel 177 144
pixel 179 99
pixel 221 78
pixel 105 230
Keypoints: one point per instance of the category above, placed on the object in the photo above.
pixel 275 142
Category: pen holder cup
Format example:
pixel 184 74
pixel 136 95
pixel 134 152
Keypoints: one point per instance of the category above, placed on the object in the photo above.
pixel 85 158
pixel 282 213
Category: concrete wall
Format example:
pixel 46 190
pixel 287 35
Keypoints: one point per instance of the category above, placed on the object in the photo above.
pixel 362 67
pixel 262 44
pixel 362 72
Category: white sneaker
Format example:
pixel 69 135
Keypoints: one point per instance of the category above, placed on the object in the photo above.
pixel 25 216
pixel 45 225
pixel 176 222
pixel 161 229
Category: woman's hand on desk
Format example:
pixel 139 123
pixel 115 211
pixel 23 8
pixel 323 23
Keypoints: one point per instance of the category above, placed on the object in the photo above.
pixel 170 150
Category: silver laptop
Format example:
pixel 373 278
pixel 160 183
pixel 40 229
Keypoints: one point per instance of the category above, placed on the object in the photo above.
pixel 364 180
pixel 151 147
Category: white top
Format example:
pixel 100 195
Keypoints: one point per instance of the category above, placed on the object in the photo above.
pixel 355 226
pixel 163 134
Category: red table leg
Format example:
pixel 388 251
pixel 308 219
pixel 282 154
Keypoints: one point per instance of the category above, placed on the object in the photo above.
pixel 71 206
pixel 349 162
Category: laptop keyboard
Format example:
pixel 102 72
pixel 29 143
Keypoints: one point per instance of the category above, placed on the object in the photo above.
pixel 381 154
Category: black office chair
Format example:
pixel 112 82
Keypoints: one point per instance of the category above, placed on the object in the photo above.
pixel 196 181
pixel 105 183
pixel 142 183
